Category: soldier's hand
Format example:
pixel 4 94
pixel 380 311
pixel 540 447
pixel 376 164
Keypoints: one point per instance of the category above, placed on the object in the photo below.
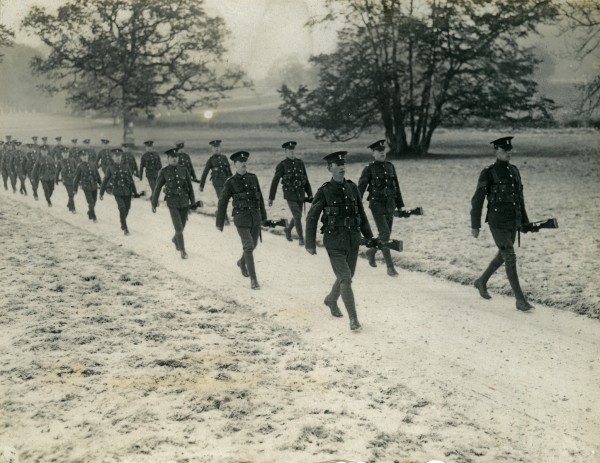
pixel 101 197
pixel 154 209
pixel 270 202
pixel 475 232
pixel 201 189
pixel 220 229
pixel 311 251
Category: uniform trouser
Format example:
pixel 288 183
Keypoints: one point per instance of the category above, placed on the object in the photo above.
pixel 34 186
pixel 68 183
pixel 152 183
pixel 5 178
pixel 48 186
pixel 124 204
pixel 296 209
pixel 22 188
pixel 91 197
pixel 13 180
pixel 249 237
pixel 179 216
pixel 343 264
pixel 219 190
pixel 384 224
pixel 505 240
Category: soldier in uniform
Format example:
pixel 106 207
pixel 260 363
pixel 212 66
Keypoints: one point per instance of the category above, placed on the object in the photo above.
pixel 88 177
pixel 152 163
pixel 248 211
pixel 74 151
pixel 501 184
pixel 44 171
pixel 2 149
pixel 57 149
pixel 185 160
pixel 6 160
pixel 87 151
pixel 219 168
pixel 343 220
pixel 13 164
pixel 128 158
pixel 296 188
pixel 65 169
pixel 33 157
pixel 23 164
pixel 179 194
pixel 380 180
pixel 104 156
pixel 123 186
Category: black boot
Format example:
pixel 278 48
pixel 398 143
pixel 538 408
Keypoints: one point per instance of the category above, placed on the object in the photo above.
pixel 333 307
pixel 242 265
pixel 481 282
pixel 482 288
pixel 371 256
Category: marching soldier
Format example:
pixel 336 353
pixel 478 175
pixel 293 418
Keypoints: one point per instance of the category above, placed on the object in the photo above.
pixel 185 160
pixel 74 151
pixel 380 180
pixel 104 156
pixel 65 169
pixel 13 164
pixel 296 188
pixel 128 158
pixel 6 161
pixel 219 168
pixel 88 177
pixel 2 151
pixel 501 184
pixel 57 149
pixel 343 220
pixel 123 186
pixel 87 151
pixel 248 211
pixel 35 140
pixel 33 157
pixel 22 165
pixel 44 171
pixel 151 162
pixel 179 194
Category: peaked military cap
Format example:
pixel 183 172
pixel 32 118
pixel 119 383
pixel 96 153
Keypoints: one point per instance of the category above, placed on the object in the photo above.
pixel 44 147
pixel 87 141
pixel 74 140
pixel 172 152
pixel 289 145
pixel 215 143
pixel 339 157
pixel 8 137
pixel 118 151
pixel 104 141
pixel 149 142
pixel 34 138
pixel 179 144
pixel 18 143
pixel 1 143
pixel 44 139
pixel 125 145
pixel 241 156
pixel 379 145
pixel 58 138
pixel 503 143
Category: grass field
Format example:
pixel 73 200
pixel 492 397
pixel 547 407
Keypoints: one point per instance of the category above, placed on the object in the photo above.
pixel 560 171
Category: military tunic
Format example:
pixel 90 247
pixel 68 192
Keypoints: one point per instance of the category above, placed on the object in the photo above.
pixel 104 159
pixel 128 159
pixel 66 169
pixel 186 161
pixel 151 162
pixel 123 187
pixel 220 170
pixel 44 171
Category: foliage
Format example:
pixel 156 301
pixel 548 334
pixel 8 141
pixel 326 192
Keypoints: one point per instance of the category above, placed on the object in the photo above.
pixel 412 68
pixel 127 56
pixel 583 20
pixel 6 38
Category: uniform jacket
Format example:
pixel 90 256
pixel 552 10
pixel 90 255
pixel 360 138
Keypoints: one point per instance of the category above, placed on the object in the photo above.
pixel 151 162
pixel 121 180
pixel 178 187
pixel 128 159
pixel 186 161
pixel 506 208
pixel 218 165
pixel 343 216
pixel 294 180
pixel 380 180
pixel 248 203
pixel 44 169
pixel 66 168
pixel 87 176
pixel 104 159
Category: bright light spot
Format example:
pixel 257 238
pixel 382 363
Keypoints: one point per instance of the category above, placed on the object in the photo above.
pixel 208 114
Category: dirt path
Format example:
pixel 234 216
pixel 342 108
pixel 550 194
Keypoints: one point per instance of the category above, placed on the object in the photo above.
pixel 436 372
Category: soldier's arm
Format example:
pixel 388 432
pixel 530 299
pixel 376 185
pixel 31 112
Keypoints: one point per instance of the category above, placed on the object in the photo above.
pixel 97 177
pixel 478 198
pixel 160 182
pixel 307 187
pixel 364 181
pixel 524 218
pixel 57 174
pixel 398 198
pixel 229 173
pixel 142 165
pixel 205 172
pixel 105 181
pixel 365 227
pixel 133 188
pixel 275 181
pixel 312 220
pixel 35 171
pixel 223 202
pixel 188 180
pixel 263 211
pixel 192 171
pixel 76 178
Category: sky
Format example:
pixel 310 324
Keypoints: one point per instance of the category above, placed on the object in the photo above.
pixel 262 31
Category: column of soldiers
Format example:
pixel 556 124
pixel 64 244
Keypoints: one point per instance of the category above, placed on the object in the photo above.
pixel 337 204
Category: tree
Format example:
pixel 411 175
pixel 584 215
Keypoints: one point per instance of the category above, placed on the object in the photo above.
pixel 583 19
pixel 6 38
pixel 131 56
pixel 409 68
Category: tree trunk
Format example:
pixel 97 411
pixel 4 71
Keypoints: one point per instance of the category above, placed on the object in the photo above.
pixel 127 127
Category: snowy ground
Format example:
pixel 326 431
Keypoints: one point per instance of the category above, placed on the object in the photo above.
pixel 116 350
